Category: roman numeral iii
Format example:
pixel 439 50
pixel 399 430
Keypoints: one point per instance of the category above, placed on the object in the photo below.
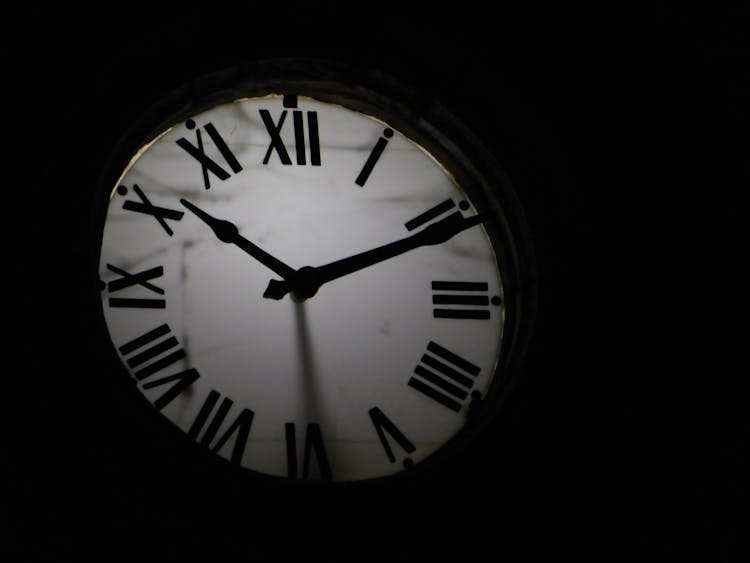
pixel 462 300
pixel 444 377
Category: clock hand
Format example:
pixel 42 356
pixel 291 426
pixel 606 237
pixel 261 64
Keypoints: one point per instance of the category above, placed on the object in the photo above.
pixel 228 232
pixel 306 281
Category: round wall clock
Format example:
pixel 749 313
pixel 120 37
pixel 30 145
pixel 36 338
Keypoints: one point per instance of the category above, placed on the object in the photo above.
pixel 313 272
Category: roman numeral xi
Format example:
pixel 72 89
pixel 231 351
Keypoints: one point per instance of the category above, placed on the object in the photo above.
pixel 198 152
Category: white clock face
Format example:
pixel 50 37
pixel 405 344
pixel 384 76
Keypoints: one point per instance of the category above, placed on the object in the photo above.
pixel 352 368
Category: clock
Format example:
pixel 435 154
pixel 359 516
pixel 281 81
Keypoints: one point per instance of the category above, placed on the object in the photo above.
pixel 312 272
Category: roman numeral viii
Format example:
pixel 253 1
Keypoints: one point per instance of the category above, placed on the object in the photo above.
pixel 276 144
pixel 444 377
pixel 462 300
pixel 152 352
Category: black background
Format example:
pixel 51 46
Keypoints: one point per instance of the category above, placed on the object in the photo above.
pixel 620 132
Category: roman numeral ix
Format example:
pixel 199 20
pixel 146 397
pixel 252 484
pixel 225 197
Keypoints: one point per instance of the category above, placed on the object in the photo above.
pixel 141 279
pixel 198 152
pixel 276 143
pixel 444 377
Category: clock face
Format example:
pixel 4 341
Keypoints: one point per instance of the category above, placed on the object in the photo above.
pixel 302 288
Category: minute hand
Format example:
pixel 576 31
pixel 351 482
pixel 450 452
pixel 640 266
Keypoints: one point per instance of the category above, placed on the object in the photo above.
pixel 308 280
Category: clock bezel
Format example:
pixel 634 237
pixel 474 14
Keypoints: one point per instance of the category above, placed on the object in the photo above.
pixel 418 116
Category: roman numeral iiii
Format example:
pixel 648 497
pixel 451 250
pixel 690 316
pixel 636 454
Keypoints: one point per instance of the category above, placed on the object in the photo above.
pixel 444 377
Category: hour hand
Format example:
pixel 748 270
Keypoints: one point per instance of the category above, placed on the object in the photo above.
pixel 228 232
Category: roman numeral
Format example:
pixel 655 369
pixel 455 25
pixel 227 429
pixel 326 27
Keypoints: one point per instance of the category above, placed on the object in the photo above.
pixel 145 348
pixel 444 377
pixel 198 152
pixel 161 214
pixel 433 213
pixel 277 144
pixel 239 428
pixel 140 351
pixel 471 297
pixel 313 444
pixel 372 160
pixel 127 279
pixel 384 425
